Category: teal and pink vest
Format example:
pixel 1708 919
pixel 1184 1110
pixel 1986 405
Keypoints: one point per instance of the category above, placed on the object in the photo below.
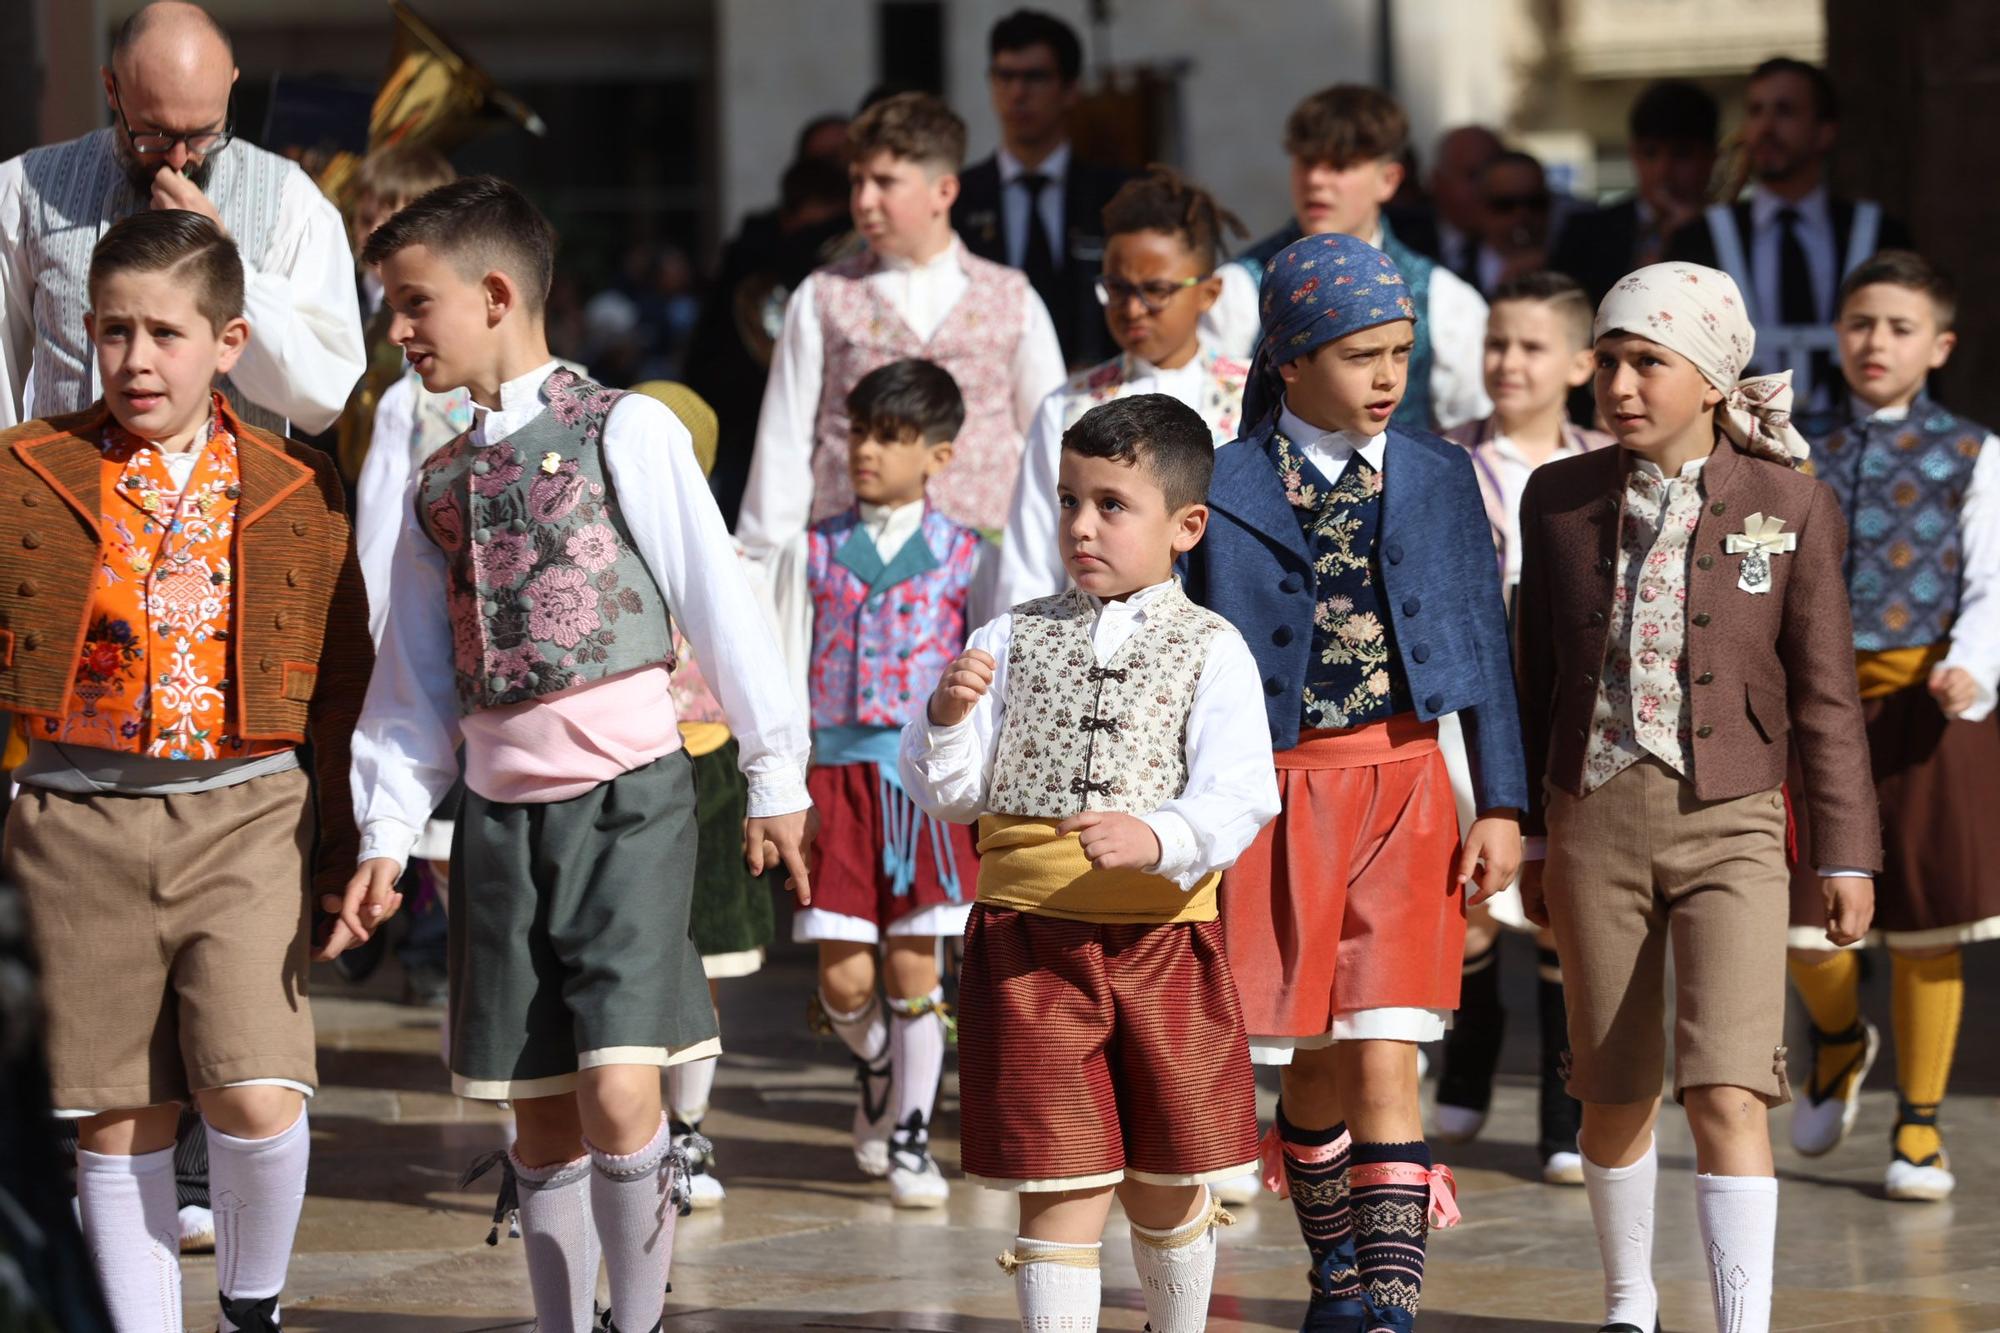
pixel 545 590
pixel 884 628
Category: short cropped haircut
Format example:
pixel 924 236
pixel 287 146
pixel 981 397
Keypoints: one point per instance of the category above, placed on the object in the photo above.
pixel 185 244
pixel 1674 110
pixel 1163 200
pixel 1905 268
pixel 480 224
pixel 1347 124
pixel 1561 293
pixel 904 400
pixel 1154 431
pixel 402 173
pixel 1826 101
pixel 1033 27
pixel 916 126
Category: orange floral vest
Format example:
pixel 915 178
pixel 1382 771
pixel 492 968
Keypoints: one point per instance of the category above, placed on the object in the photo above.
pixel 152 678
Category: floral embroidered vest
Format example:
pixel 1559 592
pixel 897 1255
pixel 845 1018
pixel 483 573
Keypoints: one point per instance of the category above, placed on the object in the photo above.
pixel 1091 736
pixel 1354 674
pixel 153 675
pixel 1900 485
pixel 545 590
pixel 1642 690
pixel 976 343
pixel 884 628
pixel 1221 404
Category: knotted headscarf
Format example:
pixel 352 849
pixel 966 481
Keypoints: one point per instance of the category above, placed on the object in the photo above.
pixel 1699 313
pixel 1316 290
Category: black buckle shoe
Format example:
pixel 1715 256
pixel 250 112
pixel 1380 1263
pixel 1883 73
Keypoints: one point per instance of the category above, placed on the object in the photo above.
pixel 251 1314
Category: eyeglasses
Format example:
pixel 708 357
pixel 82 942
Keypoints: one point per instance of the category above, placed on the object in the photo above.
pixel 1115 292
pixel 200 143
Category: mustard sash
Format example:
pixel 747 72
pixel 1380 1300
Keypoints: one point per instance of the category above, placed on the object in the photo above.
pixel 1026 865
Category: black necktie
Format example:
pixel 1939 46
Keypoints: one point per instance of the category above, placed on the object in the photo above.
pixel 1796 304
pixel 1039 260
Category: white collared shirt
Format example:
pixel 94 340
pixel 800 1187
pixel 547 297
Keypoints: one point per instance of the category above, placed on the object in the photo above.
pixel 890 527
pixel 1014 203
pixel 1329 450
pixel 1030 560
pixel 1975 635
pixel 404 745
pixel 1511 469
pixel 777 498
pixel 1232 789
pixel 1815 229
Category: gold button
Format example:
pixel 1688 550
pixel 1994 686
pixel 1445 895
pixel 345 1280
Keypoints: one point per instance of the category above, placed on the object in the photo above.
pixel 264 665
pixel 291 578
pixel 298 528
pixel 281 619
pixel 1706 562
pixel 30 499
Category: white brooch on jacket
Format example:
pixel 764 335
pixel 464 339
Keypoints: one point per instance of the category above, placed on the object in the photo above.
pixel 1760 539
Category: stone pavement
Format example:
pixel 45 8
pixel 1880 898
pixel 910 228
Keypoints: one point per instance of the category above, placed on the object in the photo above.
pixel 390 1243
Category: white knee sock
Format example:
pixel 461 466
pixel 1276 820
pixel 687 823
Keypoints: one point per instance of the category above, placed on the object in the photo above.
pixel 916 1048
pixel 865 1031
pixel 1055 1285
pixel 1621 1208
pixel 1739 1230
pixel 256 1188
pixel 631 1197
pixel 560 1242
pixel 133 1229
pixel 1176 1268
pixel 688 1086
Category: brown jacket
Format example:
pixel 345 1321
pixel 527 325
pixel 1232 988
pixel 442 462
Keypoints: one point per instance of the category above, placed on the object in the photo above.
pixel 301 656
pixel 1764 669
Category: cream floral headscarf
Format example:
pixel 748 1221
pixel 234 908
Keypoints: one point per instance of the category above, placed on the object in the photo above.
pixel 1699 313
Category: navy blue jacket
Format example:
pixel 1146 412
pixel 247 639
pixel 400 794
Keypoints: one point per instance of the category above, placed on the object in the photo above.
pixel 1439 581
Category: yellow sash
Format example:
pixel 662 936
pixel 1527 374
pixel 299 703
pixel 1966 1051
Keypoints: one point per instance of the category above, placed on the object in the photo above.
pixel 1893 669
pixel 1026 865
pixel 700 738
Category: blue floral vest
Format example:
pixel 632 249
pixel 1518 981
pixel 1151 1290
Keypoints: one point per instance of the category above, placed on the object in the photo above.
pixel 1355 674
pixel 544 587
pixel 1900 485
pixel 1414 412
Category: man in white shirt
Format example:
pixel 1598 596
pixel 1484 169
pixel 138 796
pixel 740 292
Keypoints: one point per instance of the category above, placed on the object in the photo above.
pixel 1032 205
pixel 1792 241
pixel 172 146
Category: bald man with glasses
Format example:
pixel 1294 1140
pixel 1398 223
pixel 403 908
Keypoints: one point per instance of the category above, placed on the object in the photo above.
pixel 172 144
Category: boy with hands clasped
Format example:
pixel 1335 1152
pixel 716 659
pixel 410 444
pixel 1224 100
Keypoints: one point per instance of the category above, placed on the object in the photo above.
pixel 1101 1040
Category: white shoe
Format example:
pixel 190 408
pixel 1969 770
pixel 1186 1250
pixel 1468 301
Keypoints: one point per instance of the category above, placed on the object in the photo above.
pixel 1562 1168
pixel 197 1230
pixel 914 1178
pixel 1823 1117
pixel 1909 1182
pixel 1457 1124
pixel 703 1189
pixel 874 1118
pixel 1237 1191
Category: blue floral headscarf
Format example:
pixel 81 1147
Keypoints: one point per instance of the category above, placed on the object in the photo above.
pixel 1316 290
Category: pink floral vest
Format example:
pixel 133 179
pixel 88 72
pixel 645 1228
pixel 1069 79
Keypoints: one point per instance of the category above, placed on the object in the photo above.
pixel 976 343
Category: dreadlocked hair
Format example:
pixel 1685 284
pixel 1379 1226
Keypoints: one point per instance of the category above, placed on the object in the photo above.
pixel 1164 200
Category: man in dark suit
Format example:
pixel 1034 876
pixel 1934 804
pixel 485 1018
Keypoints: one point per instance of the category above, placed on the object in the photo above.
pixel 1032 205
pixel 1672 146
pixel 1791 242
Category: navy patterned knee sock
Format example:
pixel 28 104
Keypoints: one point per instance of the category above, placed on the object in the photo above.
pixel 1389 1193
pixel 1315 1166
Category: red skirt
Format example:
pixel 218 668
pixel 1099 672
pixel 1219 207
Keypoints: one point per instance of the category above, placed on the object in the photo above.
pixel 1348 900
pixel 1090 1052
pixel 849 872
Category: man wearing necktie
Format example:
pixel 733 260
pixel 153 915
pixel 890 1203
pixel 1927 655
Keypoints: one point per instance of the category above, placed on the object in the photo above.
pixel 1792 240
pixel 1032 205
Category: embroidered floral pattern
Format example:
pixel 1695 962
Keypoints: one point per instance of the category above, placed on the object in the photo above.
pixel 1350 678
pixel 1641 698
pixel 540 571
pixel 1102 735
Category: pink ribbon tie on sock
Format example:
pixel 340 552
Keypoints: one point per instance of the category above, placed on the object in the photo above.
pixel 1274 1149
pixel 1444 1189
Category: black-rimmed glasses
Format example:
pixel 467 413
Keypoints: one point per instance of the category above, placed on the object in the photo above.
pixel 200 143
pixel 1115 292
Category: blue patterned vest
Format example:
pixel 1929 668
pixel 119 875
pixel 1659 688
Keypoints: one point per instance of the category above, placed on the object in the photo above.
pixel 1900 485
pixel 1414 412
pixel 1355 674
pixel 545 590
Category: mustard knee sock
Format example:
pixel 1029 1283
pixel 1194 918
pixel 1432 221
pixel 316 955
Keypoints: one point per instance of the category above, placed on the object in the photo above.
pixel 1927 997
pixel 1831 991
